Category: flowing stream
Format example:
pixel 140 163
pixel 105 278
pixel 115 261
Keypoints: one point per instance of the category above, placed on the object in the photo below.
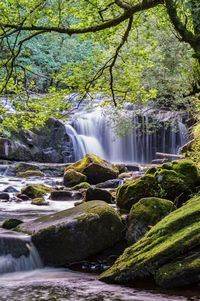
pixel 23 277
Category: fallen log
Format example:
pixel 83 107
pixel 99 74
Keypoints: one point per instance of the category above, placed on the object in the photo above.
pixel 169 155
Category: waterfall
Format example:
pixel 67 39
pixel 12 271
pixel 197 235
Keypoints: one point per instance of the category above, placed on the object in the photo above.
pixel 92 132
pixel 78 146
pixel 17 253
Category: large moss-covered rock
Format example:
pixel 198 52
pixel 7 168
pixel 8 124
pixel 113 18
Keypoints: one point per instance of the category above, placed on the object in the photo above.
pixel 76 233
pixel 189 172
pixel 95 169
pixel 36 190
pixel 132 191
pixel 73 177
pixel 172 186
pixel 145 214
pixel 174 181
pixel 178 273
pixel 173 236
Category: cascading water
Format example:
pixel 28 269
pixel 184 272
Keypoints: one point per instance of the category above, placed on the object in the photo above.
pixel 17 253
pixel 93 133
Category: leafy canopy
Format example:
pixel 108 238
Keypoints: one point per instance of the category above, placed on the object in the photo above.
pixel 115 47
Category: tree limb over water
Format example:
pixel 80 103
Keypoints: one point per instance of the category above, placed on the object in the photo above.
pixel 24 22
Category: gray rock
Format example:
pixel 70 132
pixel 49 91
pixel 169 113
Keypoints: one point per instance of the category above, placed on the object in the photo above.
pixel 110 183
pixel 98 194
pixel 74 234
pixel 63 195
pixel 4 196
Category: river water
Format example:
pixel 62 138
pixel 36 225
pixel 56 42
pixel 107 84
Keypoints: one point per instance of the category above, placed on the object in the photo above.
pixel 52 284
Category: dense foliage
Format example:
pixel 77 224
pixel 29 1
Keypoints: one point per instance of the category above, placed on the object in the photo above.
pixel 126 50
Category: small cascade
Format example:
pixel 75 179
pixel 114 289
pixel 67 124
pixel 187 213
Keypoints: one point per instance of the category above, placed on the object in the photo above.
pixel 17 253
pixel 78 146
pixel 92 132
pixel 3 169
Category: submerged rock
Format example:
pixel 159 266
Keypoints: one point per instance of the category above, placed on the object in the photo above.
pixel 10 189
pixel 36 190
pixel 76 233
pixel 4 196
pixel 23 167
pixel 145 214
pixel 95 169
pixel 174 236
pixel 30 173
pixel 11 223
pixel 73 177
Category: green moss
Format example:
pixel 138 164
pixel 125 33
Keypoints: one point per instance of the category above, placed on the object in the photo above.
pixel 174 235
pixel 11 223
pixel 132 191
pixel 166 166
pixel 145 214
pixel 30 173
pixel 82 164
pixel 73 177
pixel 39 201
pixel 172 185
pixel 188 170
pixel 22 167
pixel 151 171
pixel 36 190
pixel 174 181
pixel 83 185
pixel 178 273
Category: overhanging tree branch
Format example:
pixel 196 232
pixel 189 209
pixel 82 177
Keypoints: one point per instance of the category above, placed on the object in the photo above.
pixel 144 5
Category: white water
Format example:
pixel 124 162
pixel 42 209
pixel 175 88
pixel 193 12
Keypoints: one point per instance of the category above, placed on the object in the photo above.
pixel 93 133
pixel 17 253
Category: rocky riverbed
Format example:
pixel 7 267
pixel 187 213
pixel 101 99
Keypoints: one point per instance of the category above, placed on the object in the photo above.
pixel 129 224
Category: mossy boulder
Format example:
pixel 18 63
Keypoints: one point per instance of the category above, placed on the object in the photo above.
pixel 74 234
pixel 39 202
pixel 174 236
pixel 132 191
pixel 73 177
pixel 188 170
pixel 95 169
pixel 23 166
pixel 82 185
pixel 174 181
pixel 36 190
pixel 145 214
pixel 172 186
pixel 179 273
pixel 11 223
pixel 30 173
pixel 98 194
